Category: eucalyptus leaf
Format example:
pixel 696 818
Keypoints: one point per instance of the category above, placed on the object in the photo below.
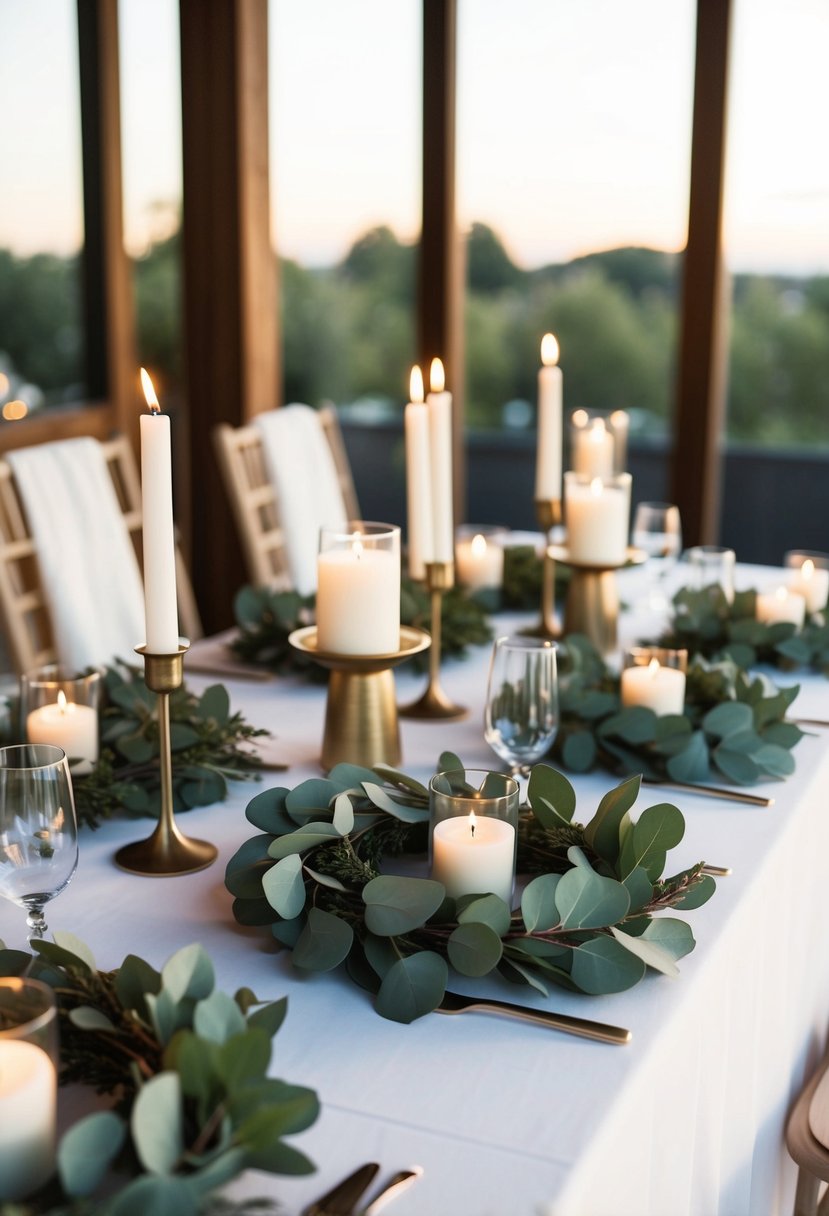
pixel 243 1057
pixel 698 895
pixel 486 910
pixel 412 987
pixel 302 839
pixel 156 1123
pixel 602 965
pixel 691 764
pixel 603 830
pixel 408 814
pixel 397 905
pixel 215 703
pixel 586 900
pixel 579 751
pixel 550 794
pixel 68 941
pixel 284 888
pixel 85 1017
pixel 218 1017
pixel 650 952
pixel 401 779
pixel 343 814
pixel 658 829
pixel 159 1196
pixel 267 811
pixel 270 1016
pixel 671 934
pixel 538 903
pixel 474 949
pixel 380 952
pixel 324 942
pixel 87 1150
pixel 188 973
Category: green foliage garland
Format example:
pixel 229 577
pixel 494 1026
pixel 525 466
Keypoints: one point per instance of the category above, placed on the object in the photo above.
pixel 706 623
pixel 586 919
pixel 733 724
pixel 187 1067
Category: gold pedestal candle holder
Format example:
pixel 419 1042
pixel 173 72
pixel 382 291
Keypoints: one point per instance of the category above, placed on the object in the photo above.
pixel 435 704
pixel 592 604
pixel 361 710
pixel 166 852
pixel 548 514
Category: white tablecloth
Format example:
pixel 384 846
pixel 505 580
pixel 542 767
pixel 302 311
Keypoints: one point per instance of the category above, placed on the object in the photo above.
pixel 510 1119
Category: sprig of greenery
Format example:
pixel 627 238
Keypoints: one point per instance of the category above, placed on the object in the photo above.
pixel 187 1065
pixel 733 724
pixel 586 919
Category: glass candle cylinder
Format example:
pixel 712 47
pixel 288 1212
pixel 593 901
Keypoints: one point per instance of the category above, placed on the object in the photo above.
pixel 597 515
pixel 358 589
pixel 711 566
pixel 479 556
pixel 474 832
pixel 591 445
pixel 28 1085
pixel 654 677
pixel 60 706
pixel 809 577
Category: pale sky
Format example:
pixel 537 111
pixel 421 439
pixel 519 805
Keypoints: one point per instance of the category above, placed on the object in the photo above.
pixel 573 125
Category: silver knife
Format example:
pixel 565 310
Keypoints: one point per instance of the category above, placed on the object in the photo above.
pixel 342 1199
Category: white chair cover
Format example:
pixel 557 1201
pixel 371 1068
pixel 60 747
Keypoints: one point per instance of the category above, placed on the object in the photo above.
pixel 308 494
pixel 88 569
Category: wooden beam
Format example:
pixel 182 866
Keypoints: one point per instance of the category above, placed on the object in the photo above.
pixel 230 297
pixel 440 279
pixel 696 472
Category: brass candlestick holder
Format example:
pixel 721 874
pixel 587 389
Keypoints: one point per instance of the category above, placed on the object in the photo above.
pixel 361 710
pixel 592 604
pixel 548 514
pixel 166 851
pixel 434 704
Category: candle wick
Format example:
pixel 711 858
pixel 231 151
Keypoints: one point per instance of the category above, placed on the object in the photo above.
pixel 472 828
pixel 155 408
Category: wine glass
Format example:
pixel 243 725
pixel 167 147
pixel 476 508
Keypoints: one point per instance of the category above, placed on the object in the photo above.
pixel 658 532
pixel 521 715
pixel 38 828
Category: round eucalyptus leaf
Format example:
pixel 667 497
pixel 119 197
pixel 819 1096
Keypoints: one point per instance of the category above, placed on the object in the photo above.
pixel 68 941
pixel 775 760
pixel 474 949
pixel 284 888
pixel 156 1123
pixel 87 1018
pixel 671 934
pixel 651 953
pixel 691 764
pixel 269 1017
pixel 217 1017
pixel 287 931
pixel 486 910
pixel 412 987
pixel 182 736
pixel 397 905
pixel 135 748
pixel 602 966
pixel 303 839
pixel 324 942
pixel 658 829
pixel 188 973
pixel 538 903
pixel 604 830
pixel 87 1150
pixel 215 703
pixel 586 900
pixel 310 797
pixel 161 1196
pixel 729 718
pixel 208 789
pixel 737 766
pixel 554 793
pixel 698 895
pixel 350 776
pixel 267 811
pixel 380 953
pixel 634 725
pixel 244 1058
pixel 579 751
pixel 343 814
pixel 253 912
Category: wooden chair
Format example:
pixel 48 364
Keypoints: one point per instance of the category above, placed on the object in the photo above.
pixel 811 1156
pixel 254 502
pixel 22 602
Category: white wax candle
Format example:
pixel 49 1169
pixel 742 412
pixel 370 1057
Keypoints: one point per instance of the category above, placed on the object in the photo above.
pixel 418 479
pixel 160 604
pixel 548 451
pixel 358 600
pixel 659 688
pixel 597 520
pixel 781 605
pixel 440 446
pixel 620 426
pixel 479 564
pixel 28 1087
pixel 593 450
pixel 812 583
pixel 473 855
pixel 67 725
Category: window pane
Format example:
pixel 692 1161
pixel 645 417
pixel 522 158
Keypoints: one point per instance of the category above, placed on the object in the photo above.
pixel 345 187
pixel 777 224
pixel 41 217
pixel 573 160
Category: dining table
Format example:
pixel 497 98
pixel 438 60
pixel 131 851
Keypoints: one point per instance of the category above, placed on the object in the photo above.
pixel 508 1118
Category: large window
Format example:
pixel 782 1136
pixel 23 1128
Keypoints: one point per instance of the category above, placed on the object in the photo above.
pixel 41 213
pixel 573 160
pixel 345 188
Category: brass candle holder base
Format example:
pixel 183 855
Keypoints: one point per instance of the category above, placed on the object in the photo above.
pixel 166 852
pixel 592 604
pixel 361 724
pixel 548 513
pixel 435 705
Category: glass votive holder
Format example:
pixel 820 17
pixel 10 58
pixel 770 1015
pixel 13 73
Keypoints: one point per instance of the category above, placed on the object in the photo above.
pixel 711 566
pixel 599 442
pixel 28 1085
pixel 654 676
pixel 479 556
pixel 597 516
pixel 358 589
pixel 809 577
pixel 474 832
pixel 61 707
pixel 782 605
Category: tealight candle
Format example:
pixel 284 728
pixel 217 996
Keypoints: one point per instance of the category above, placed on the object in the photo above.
pixel 596 514
pixel 473 855
pixel 28 1087
pixel 813 584
pixel 67 725
pixel 781 605
pixel 593 450
pixel 659 688
pixel 479 563
pixel 358 590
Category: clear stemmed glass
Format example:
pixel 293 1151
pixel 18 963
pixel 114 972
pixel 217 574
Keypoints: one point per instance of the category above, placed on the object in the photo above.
pixel 38 828
pixel 521 715
pixel 658 532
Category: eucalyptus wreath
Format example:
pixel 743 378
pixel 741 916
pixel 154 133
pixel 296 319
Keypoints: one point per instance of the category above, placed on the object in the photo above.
pixel 733 724
pixel 587 921
pixel 706 623
pixel 184 1065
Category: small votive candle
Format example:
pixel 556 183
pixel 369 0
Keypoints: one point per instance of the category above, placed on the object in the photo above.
pixel 655 679
pixel 592 446
pixel 28 1100
pixel 479 558
pixel 358 589
pixel 597 515
pixel 61 708
pixel 474 855
pixel 812 582
pixel 781 605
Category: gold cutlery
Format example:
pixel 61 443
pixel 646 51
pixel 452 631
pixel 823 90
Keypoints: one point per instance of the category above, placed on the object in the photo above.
pixel 343 1198
pixel 711 791
pixel 717 871
pixel 810 722
pixel 453 1002
pixel 399 1183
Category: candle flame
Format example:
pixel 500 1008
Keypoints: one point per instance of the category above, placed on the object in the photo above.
pixel 808 568
pixel 653 668
pixel 478 546
pixel 149 392
pixel 472 822
pixel 437 379
pixel 416 385
pixel 549 350
pixel 62 701
pixel 579 418
pixel 596 486
pixel 357 545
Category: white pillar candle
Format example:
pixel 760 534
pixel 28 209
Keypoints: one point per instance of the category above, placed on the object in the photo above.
pixel 474 855
pixel 593 450
pixel 781 605
pixel 160 604
pixel 548 450
pixel 418 479
pixel 67 725
pixel 619 427
pixel 479 564
pixel 358 599
pixel 440 447
pixel 659 688
pixel 813 584
pixel 596 515
pixel 28 1087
